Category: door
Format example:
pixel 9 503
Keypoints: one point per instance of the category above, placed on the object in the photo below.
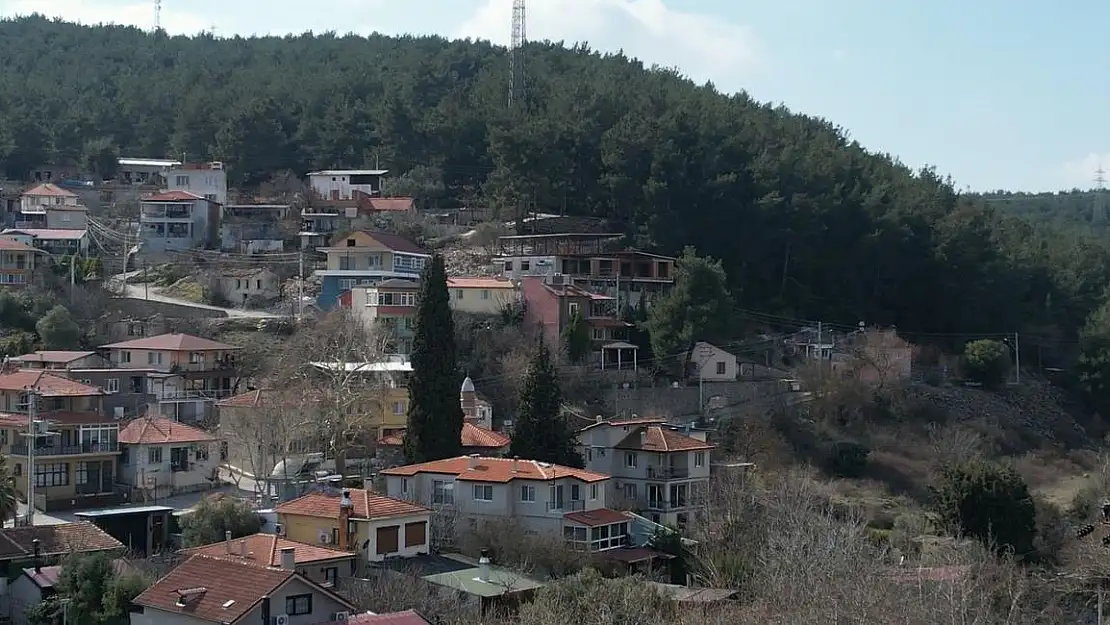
pixel 107 476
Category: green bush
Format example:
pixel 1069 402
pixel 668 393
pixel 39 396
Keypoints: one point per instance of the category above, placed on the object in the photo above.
pixel 846 459
pixel 989 502
pixel 987 362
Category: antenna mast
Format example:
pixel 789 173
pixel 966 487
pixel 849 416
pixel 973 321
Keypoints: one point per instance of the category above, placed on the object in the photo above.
pixel 157 15
pixel 1099 212
pixel 516 54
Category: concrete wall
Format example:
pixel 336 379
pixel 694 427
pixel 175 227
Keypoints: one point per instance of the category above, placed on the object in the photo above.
pixel 683 402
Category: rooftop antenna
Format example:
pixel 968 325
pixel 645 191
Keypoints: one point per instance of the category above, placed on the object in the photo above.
pixel 516 53
pixel 157 15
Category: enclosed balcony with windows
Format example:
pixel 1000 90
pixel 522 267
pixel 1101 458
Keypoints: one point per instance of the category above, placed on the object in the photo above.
pixel 597 530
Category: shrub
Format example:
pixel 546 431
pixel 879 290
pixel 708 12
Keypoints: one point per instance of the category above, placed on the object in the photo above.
pixel 846 459
pixel 987 362
pixel 989 502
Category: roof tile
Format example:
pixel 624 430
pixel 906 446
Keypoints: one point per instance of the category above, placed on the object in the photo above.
pixel 54 356
pixel 265 549
pixel 173 196
pixel 592 518
pixel 463 282
pixel 368 505
pixel 661 439
pixel 500 470
pixel 152 430
pixel 48 189
pixel 54 540
pixel 47 384
pixel 472 436
pixel 172 342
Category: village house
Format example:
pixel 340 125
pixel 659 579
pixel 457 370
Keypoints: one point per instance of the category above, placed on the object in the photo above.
pixel 208 180
pixel 321 564
pixel 359 520
pixel 481 295
pixel 56 241
pixel 541 497
pixel 389 308
pixel 205 590
pixel 17 263
pixel 346 184
pixel 709 363
pixel 177 220
pixel 50 206
pixel 367 258
pixel 38 583
pixel 59 360
pixel 247 285
pixel 144 171
pixel 253 228
pixel 189 373
pixel 550 303
pixel 162 458
pixel 658 471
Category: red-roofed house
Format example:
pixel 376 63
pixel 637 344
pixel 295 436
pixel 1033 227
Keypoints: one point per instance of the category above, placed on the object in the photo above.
pixel 59 359
pixel 319 563
pixel 658 470
pixel 162 457
pixel 375 526
pixel 185 374
pixel 542 497
pixel 177 220
pixel 550 303
pixel 482 295
pixel 205 590
pixel 50 206
pixel 17 262
pixel 367 258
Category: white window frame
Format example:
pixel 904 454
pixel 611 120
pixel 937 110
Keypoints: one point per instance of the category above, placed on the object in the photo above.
pixel 631 459
pixel 528 494
pixel 483 492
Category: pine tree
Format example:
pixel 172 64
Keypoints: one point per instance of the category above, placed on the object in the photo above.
pixel 435 417
pixel 576 338
pixel 540 431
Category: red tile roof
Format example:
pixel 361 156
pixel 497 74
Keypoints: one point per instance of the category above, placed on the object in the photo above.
pixel 60 357
pixel 151 430
pixel 48 189
pixel 472 436
pixel 47 384
pixel 265 549
pixel 408 617
pixel 392 204
pixel 500 470
pixel 661 439
pixel 206 585
pixel 250 399
pixel 54 540
pixel 628 422
pixel 463 282
pixel 51 234
pixel 172 342
pixel 12 245
pixel 592 518
pixel 173 196
pixel 396 242
pixel 367 505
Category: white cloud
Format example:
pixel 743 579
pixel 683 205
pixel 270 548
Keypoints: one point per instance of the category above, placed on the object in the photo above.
pixel 134 13
pixel 1080 173
pixel 701 46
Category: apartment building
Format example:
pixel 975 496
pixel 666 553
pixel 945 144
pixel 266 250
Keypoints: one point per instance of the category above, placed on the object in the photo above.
pixel 177 220
pixel 388 307
pixel 17 263
pixel 658 471
pixel 185 374
pixel 208 180
pixel 367 258
pixel 542 497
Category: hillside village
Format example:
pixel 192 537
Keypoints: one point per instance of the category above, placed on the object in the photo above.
pixel 653 356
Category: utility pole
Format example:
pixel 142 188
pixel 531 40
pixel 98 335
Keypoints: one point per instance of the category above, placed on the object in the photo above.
pixel 1017 359
pixel 516 54
pixel 146 283
pixel 820 352
pixel 300 284
pixel 32 439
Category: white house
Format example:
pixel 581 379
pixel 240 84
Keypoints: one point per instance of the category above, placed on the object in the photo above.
pixel 144 170
pixel 162 456
pixel 177 220
pixel 248 284
pixel 205 590
pixel 710 363
pixel 341 184
pixel 208 180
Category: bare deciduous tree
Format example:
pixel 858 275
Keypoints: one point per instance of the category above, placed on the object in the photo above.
pixel 276 428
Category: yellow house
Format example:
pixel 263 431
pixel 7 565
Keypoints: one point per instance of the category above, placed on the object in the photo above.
pixel 17 262
pixel 482 295
pixel 76 448
pixel 358 520
pixel 367 258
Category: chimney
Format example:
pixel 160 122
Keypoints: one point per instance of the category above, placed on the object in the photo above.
pixel 516 464
pixel 643 437
pixel 599 419
pixel 36 551
pixel 483 566
pixel 472 461
pixel 243 548
pixel 345 507
pixel 289 559
pixel 227 541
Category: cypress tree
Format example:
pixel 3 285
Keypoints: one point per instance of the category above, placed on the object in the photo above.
pixel 540 432
pixel 435 417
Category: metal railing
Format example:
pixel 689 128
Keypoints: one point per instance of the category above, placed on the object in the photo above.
pixel 67 450
pixel 203 395
pixel 566 506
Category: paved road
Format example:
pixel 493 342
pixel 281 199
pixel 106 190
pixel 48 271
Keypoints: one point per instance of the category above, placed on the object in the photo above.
pixel 141 291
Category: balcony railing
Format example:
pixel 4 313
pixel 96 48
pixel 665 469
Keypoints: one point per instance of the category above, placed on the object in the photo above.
pixel 668 473
pixel 67 450
pixel 202 395
pixel 566 506
pixel 443 500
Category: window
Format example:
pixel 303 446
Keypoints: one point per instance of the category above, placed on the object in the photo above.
pixel 154 358
pixel 528 493
pixel 201 452
pixel 508 265
pixel 525 265
pixel 398 407
pixel 297 605
pixel 699 458
pixel 572 308
pixel 397 299
pixel 238 283
pixel 154 455
pixel 458 293
pixel 485 294
pixel 113 385
pixel 52 474
pixel 181 181
pixel 575 492
pixel 443 492
pixel 331 575
pixel 598 334
pixel 346 284
pixel 593 492
pixel 82 473
pixel 483 492
pixel 404 485
pixel 125 356
pixel 720 367
pixel 351 243
pixel 630 459
pixel 589 454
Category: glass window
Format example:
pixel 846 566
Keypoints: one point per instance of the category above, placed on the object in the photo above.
pixel 483 492
pixel 297 605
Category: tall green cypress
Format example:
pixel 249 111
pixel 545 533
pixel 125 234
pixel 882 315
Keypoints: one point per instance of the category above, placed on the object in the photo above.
pixel 435 417
pixel 540 432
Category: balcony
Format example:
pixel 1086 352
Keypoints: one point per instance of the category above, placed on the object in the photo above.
pixel 668 473
pixel 67 450
pixel 224 364
pixel 201 395
pixel 566 506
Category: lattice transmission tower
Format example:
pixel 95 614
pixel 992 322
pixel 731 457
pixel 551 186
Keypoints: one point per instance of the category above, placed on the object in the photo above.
pixel 1098 214
pixel 157 15
pixel 516 54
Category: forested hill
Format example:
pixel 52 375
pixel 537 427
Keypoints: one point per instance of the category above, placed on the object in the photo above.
pixel 1082 213
pixel 806 222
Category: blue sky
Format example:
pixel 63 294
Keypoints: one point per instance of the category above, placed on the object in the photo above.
pixel 996 94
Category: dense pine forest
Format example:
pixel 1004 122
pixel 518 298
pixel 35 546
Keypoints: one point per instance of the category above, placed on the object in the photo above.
pixel 807 223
